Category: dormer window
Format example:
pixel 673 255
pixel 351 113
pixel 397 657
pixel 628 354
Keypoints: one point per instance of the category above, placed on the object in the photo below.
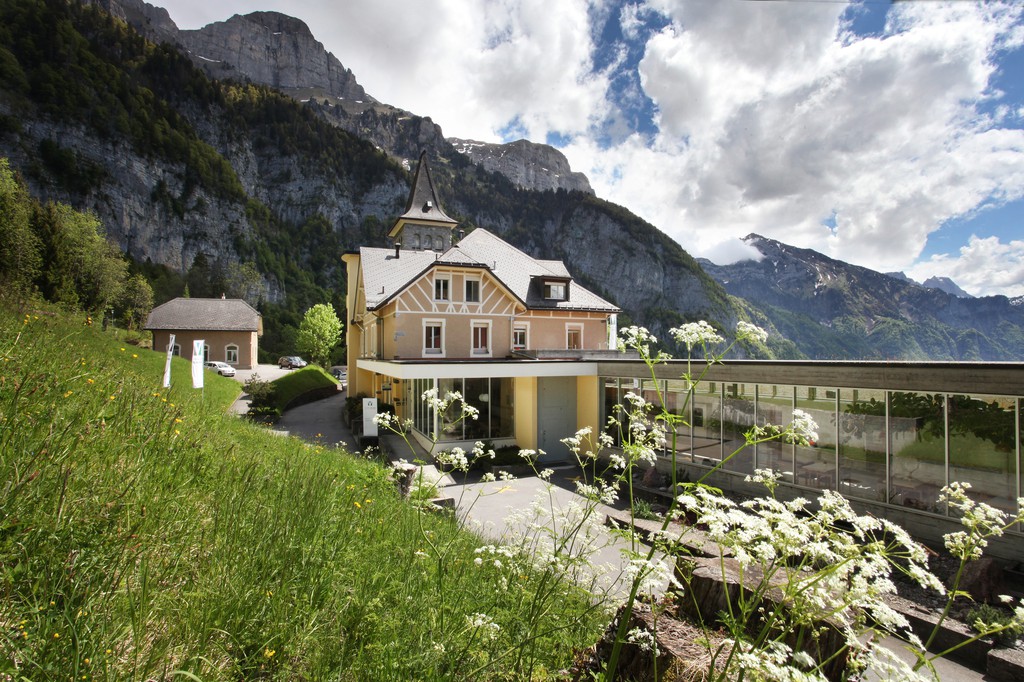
pixel 555 291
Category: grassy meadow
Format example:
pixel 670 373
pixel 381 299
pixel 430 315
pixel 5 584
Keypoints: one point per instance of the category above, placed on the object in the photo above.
pixel 146 534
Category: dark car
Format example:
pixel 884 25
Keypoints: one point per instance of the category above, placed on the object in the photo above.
pixel 291 362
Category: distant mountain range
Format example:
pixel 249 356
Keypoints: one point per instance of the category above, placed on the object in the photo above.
pixel 246 142
pixel 834 310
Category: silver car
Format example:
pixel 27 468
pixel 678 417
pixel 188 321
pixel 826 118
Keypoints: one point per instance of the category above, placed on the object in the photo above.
pixel 221 368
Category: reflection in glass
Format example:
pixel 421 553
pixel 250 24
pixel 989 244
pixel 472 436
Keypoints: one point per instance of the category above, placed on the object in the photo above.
pixel 503 422
pixel 707 423
pixel 983 448
pixel 816 463
pixel 917 449
pixel 451 427
pixel 678 406
pixel 860 438
pixel 775 406
pixel 737 419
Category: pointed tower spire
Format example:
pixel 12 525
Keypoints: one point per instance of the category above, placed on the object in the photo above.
pixel 424 225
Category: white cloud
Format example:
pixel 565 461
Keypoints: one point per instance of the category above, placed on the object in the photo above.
pixel 983 267
pixel 774 117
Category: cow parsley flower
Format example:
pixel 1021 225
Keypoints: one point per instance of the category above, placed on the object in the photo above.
pixel 695 334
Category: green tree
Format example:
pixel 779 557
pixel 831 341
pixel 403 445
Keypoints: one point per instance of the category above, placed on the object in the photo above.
pixel 319 333
pixel 136 301
pixel 20 249
pixel 81 269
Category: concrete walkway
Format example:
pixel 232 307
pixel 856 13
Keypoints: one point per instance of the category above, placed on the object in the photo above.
pixel 495 509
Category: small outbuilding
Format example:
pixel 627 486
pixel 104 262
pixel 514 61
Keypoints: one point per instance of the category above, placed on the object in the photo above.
pixel 230 328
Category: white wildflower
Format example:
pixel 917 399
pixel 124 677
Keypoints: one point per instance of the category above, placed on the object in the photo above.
pixel 695 334
pixel 750 332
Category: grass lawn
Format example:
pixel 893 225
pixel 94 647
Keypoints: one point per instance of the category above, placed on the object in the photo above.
pixel 145 534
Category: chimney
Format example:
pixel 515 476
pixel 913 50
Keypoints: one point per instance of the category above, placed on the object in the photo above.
pixel 398 248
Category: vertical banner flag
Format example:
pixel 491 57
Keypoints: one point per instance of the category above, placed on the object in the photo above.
pixel 197 363
pixel 167 365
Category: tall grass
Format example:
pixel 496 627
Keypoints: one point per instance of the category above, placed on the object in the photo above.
pixel 145 535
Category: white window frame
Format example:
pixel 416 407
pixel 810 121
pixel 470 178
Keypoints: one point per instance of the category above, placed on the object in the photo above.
pixel 573 327
pixel 525 327
pixel 474 350
pixel 479 289
pixel 231 350
pixel 551 286
pixel 447 282
pixel 431 352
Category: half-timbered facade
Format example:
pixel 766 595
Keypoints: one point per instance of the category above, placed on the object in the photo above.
pixel 515 335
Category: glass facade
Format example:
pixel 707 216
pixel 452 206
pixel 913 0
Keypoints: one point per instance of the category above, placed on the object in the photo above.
pixel 891 447
pixel 493 398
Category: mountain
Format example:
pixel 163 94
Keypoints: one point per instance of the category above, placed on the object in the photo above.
pixel 832 310
pixel 194 177
pixel 947 285
pixel 526 164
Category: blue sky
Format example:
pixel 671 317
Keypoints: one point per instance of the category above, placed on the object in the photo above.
pixel 890 135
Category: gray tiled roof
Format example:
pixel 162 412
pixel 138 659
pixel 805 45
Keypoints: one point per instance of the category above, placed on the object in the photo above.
pixel 423 205
pixel 384 276
pixel 213 314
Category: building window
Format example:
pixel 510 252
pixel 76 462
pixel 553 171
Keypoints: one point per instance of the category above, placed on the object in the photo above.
pixel 481 338
pixel 442 289
pixel 231 354
pixel 414 241
pixel 554 291
pixel 472 291
pixel 574 337
pixel 438 244
pixel 177 351
pixel 206 352
pixel 433 337
pixel 520 337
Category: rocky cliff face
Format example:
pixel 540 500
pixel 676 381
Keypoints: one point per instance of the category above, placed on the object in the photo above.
pixel 527 164
pixel 272 49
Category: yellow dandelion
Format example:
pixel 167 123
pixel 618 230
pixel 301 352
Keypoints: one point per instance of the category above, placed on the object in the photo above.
pixel 269 653
pixel 122 350
pixel 113 397
pixel 358 506
pixel 56 635
pixel 89 381
pixel 177 432
pixel 67 394
pixel 135 355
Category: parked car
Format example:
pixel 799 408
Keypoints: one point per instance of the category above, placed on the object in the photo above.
pixel 221 368
pixel 339 372
pixel 291 362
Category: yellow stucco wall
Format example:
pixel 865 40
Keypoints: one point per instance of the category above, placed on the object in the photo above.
pixel 588 403
pixel 526 412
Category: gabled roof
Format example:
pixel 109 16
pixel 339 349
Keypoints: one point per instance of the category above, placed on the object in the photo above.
pixel 423 206
pixel 385 276
pixel 206 314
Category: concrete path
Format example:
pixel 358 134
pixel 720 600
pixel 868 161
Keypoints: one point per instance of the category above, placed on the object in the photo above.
pixel 495 509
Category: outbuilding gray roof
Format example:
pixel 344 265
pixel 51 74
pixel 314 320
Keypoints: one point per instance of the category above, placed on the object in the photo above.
pixel 213 314
pixel 385 275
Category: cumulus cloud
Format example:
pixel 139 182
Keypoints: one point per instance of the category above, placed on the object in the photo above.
pixel 985 266
pixel 775 118
pixel 770 117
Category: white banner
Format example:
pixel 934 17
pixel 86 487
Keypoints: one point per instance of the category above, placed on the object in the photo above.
pixel 167 365
pixel 197 363
pixel 369 412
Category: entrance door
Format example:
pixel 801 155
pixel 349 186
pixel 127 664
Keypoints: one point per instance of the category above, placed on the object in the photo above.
pixel 556 417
